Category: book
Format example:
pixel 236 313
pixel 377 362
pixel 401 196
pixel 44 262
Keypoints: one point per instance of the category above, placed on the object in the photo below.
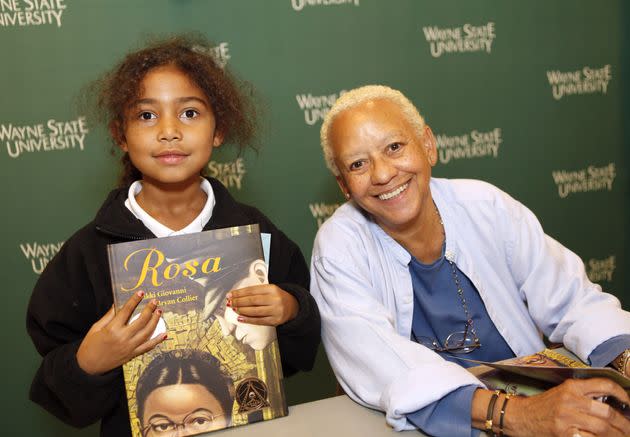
pixel 212 371
pixel 532 374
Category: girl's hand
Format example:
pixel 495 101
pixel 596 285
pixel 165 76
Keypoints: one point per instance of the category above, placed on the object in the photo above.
pixel 111 342
pixel 569 409
pixel 265 304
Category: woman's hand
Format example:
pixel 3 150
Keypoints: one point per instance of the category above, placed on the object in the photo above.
pixel 111 342
pixel 265 304
pixel 569 409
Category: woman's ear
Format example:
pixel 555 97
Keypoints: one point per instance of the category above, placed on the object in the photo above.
pixel 343 187
pixel 430 145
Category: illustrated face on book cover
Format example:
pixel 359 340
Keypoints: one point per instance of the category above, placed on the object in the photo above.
pixel 183 393
pixel 256 336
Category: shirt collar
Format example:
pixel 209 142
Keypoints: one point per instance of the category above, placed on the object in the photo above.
pixel 157 228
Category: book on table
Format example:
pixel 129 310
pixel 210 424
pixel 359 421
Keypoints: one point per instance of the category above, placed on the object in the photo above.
pixel 212 371
pixel 533 374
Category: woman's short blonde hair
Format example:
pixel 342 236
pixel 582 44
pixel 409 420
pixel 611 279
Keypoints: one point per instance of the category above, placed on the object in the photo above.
pixel 360 95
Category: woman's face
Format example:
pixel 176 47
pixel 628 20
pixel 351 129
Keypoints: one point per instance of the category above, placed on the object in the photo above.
pixel 181 410
pixel 385 165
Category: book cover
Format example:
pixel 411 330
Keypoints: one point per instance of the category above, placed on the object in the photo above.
pixel 535 373
pixel 212 372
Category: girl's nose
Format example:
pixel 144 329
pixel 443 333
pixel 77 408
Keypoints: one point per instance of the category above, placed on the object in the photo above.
pixel 169 129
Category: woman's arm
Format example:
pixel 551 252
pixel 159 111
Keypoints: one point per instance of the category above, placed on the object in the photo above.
pixel 565 410
pixel 564 304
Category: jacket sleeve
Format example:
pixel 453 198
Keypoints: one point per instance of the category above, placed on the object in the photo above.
pixel 565 305
pixel 61 310
pixel 298 338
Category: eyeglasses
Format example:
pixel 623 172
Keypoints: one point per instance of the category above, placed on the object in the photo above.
pixel 196 422
pixel 460 342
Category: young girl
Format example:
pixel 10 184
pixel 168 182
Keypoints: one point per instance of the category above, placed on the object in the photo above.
pixel 167 106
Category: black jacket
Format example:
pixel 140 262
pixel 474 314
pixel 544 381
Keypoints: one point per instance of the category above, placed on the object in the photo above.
pixel 74 291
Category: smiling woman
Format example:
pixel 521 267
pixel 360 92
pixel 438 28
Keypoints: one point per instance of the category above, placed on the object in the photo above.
pixel 413 271
pixel 384 165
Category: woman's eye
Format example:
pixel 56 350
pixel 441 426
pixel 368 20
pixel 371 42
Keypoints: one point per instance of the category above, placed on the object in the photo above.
pixel 190 113
pixel 356 165
pixel 395 146
pixel 145 115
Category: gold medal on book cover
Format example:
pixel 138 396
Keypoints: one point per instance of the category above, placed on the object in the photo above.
pixel 212 371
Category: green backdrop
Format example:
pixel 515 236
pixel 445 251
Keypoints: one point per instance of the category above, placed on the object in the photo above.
pixel 531 96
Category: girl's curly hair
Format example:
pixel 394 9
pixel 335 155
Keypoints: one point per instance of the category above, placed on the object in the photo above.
pixel 231 100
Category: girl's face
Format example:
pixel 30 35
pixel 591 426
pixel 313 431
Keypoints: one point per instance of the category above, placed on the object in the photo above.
pixel 170 130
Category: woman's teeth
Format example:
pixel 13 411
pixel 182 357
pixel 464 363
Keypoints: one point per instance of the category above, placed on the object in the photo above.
pixel 394 193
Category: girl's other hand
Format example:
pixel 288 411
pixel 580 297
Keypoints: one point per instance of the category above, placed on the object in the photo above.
pixel 265 304
pixel 111 342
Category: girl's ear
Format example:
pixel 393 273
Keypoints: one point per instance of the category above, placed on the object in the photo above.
pixel 116 131
pixel 218 139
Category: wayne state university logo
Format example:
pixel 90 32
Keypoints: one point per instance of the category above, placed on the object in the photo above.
pixel 220 53
pixel 298 5
pixel 39 254
pixel 588 80
pixel 584 180
pixel 599 270
pixel 475 144
pixel 316 107
pixel 50 136
pixel 467 38
pixel 14 13
pixel 322 211
pixel 229 173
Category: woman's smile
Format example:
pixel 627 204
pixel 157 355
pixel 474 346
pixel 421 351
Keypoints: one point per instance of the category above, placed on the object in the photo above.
pixel 394 193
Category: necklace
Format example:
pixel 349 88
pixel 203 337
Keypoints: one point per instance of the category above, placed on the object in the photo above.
pixel 460 291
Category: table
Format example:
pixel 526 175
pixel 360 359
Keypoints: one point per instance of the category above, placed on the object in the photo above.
pixel 337 416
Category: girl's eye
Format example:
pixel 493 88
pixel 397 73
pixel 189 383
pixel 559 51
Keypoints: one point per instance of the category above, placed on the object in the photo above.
pixel 145 115
pixel 190 113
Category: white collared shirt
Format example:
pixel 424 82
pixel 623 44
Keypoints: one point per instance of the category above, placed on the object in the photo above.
pixel 158 228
